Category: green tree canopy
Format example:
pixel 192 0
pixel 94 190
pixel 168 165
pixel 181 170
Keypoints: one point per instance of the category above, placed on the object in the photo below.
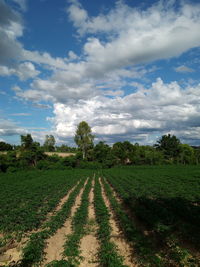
pixel 169 145
pixel 84 138
pixel 5 147
pixel 49 143
pixel 26 142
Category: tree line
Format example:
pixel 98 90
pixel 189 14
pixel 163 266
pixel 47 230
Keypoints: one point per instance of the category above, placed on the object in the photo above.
pixel 30 154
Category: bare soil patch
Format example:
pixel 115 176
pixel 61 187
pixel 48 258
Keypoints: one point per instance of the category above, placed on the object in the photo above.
pixel 60 204
pixel 117 236
pixel 89 243
pixel 60 154
pixel 55 243
pixel 12 252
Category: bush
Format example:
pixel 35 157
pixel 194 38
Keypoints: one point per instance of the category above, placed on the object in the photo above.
pixel 89 165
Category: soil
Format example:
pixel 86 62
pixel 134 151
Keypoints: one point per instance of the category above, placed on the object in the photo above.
pixel 60 154
pixel 55 243
pixel 117 236
pixel 12 252
pixel 89 243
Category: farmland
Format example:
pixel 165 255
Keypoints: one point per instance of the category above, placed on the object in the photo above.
pixel 118 217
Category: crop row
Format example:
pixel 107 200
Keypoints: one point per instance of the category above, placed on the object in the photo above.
pixel 145 251
pixel 108 254
pixel 27 197
pixel 72 244
pixel 158 216
pixel 34 250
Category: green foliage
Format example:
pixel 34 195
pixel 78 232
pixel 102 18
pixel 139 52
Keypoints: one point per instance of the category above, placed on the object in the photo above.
pixel 49 143
pixel 145 251
pixel 84 138
pixel 35 193
pixel 72 244
pixel 26 142
pixel 169 145
pixel 5 147
pixel 108 255
pixel 37 242
pixel 165 200
pixel 186 155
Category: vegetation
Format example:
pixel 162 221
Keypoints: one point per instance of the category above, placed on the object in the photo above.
pixel 108 255
pixel 165 201
pixel 84 138
pixel 49 143
pixel 30 155
pixel 156 208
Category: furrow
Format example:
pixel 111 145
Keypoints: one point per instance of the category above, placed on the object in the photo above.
pixel 89 243
pixel 117 236
pixel 55 243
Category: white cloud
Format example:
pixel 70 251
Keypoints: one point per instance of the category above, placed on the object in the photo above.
pixel 138 36
pixel 91 86
pixel 160 109
pixel 183 69
pixel 20 114
pixel 9 128
pixel 24 71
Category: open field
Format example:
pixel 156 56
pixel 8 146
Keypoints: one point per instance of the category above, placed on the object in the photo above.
pixel 133 216
pixel 60 154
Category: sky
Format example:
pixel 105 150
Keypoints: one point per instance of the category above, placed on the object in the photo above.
pixel 129 68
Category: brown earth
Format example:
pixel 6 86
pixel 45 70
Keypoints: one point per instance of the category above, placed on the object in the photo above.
pixel 89 244
pixel 117 237
pixel 55 243
pixel 60 154
pixel 12 252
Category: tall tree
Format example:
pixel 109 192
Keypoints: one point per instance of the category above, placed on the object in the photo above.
pixel 5 147
pixel 84 138
pixel 49 143
pixel 169 145
pixel 26 142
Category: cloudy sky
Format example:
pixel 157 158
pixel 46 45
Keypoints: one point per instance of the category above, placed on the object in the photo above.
pixel 129 68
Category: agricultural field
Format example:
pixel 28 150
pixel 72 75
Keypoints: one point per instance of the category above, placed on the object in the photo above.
pixel 144 216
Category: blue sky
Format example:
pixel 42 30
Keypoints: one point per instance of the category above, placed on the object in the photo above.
pixel 128 68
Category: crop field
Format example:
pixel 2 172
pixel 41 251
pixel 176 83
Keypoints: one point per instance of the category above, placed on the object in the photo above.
pixel 130 216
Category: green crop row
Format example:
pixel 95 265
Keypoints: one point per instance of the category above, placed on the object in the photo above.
pixel 72 244
pixel 108 255
pixel 159 203
pixel 145 252
pixel 33 251
pixel 27 197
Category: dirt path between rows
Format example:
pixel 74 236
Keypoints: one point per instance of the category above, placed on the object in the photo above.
pixel 89 243
pixel 55 243
pixel 117 236
pixel 60 204
pixel 14 251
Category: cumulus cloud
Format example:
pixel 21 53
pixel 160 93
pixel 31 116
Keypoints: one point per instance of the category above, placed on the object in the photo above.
pixel 9 128
pixel 183 69
pixel 160 109
pixel 138 36
pixel 130 37
pixel 24 71
pixel 91 86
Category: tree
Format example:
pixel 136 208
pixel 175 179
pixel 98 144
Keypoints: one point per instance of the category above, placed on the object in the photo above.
pixel 5 147
pixel 49 143
pixel 84 138
pixel 123 151
pixel 187 155
pixel 26 142
pixel 169 145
